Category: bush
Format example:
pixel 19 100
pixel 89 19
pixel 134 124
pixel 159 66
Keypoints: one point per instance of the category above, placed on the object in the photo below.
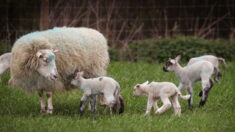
pixel 160 50
pixel 5 47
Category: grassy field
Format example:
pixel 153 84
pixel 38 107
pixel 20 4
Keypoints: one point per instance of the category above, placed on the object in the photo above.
pixel 19 111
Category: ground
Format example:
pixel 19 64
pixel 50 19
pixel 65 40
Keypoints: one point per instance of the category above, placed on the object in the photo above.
pixel 19 111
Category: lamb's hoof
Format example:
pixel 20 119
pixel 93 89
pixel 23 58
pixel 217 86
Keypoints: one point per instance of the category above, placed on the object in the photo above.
pixel 43 110
pixel 157 113
pixel 49 111
pixel 202 103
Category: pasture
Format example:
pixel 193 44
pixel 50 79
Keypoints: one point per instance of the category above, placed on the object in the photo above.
pixel 19 111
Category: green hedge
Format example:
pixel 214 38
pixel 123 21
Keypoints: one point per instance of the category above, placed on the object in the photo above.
pixel 5 47
pixel 160 50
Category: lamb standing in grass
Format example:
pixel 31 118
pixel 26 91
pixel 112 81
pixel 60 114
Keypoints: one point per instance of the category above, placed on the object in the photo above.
pixel 4 62
pixel 214 60
pixel 201 70
pixel 101 85
pixel 162 90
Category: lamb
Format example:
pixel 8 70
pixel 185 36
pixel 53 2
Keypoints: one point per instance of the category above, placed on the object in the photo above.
pixel 214 60
pixel 162 90
pixel 35 65
pixel 101 85
pixel 201 70
pixel 4 62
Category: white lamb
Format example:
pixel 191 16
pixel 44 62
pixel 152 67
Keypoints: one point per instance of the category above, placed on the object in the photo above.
pixel 162 90
pixel 101 85
pixel 201 70
pixel 214 60
pixel 4 62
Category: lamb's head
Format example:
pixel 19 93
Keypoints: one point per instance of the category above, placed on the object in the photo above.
pixel 47 65
pixel 139 89
pixel 77 78
pixel 171 64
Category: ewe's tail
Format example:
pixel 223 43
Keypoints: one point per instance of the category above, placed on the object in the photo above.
pixel 185 97
pixel 223 61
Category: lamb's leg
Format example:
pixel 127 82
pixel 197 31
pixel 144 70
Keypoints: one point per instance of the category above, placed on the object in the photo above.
pixel 82 103
pixel 49 103
pixel 176 105
pixel 166 105
pixel 190 101
pixel 155 106
pixel 42 102
pixel 207 85
pixel 149 105
pixel 180 87
pixel 93 103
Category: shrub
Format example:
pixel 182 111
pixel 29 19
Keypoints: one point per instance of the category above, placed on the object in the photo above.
pixel 160 50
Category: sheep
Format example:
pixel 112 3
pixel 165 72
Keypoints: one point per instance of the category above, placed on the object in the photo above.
pixel 201 70
pixel 35 66
pixel 162 90
pixel 100 85
pixel 214 60
pixel 4 62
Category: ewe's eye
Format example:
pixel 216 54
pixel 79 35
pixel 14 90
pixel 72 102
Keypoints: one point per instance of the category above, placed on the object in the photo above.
pixel 168 63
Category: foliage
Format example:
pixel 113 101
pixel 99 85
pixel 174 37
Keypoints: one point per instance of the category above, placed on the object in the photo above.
pixel 160 50
pixel 20 111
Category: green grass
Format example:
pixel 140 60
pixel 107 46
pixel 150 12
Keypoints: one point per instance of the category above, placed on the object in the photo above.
pixel 19 111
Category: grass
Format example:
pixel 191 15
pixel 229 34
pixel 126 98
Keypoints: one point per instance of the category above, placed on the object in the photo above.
pixel 19 111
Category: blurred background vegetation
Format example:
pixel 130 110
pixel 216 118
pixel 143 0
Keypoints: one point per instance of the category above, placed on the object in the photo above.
pixel 151 30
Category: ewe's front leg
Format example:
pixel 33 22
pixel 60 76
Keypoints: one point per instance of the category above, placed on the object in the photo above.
pixel 42 102
pixel 49 103
pixel 166 105
pixel 149 105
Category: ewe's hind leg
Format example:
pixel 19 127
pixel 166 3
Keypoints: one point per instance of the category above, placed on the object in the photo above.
pixel 176 105
pixel 166 105
pixel 206 85
pixel 49 103
pixel 42 102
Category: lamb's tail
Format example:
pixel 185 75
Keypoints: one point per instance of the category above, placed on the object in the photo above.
pixel 119 98
pixel 185 97
pixel 121 107
pixel 223 61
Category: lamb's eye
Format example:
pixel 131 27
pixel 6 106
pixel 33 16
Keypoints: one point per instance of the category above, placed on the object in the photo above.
pixel 168 63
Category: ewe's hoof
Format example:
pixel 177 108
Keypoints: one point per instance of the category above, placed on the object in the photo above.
pixel 157 112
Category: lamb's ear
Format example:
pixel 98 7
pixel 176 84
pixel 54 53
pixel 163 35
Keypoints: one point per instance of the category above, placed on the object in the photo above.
pixel 39 54
pixel 145 83
pixel 177 58
pixel 81 73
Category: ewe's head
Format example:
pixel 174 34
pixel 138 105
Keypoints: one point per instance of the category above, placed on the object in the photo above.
pixel 171 64
pixel 47 65
pixel 139 89
pixel 76 79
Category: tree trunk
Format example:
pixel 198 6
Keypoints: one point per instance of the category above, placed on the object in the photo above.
pixel 44 15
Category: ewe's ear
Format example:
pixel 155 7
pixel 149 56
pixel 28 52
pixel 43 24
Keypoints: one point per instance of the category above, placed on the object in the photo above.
pixel 54 51
pixel 39 54
pixel 177 58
